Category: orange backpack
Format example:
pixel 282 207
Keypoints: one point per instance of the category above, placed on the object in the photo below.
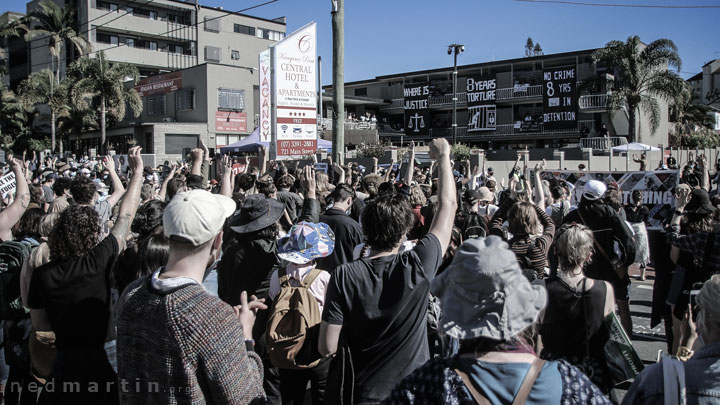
pixel 294 312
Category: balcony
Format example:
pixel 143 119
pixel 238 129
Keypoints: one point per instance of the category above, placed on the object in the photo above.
pixel 593 103
pixel 447 99
pixel 503 130
pixel 601 143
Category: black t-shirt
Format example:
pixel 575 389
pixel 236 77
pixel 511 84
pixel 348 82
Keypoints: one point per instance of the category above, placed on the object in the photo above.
pixel 75 293
pixel 382 305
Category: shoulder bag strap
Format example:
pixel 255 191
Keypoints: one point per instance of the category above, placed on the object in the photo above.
pixel 310 277
pixel 582 303
pixel 283 277
pixel 477 396
pixel 527 384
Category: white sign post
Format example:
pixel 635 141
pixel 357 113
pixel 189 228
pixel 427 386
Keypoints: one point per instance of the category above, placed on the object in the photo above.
pixel 294 88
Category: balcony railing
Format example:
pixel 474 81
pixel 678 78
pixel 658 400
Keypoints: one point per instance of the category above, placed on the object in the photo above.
pixel 448 99
pixel 447 132
pixel 514 130
pixel 519 92
pixel 326 124
pixel 601 143
pixel 593 101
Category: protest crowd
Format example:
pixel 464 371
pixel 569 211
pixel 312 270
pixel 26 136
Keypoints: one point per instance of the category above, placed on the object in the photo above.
pixel 280 284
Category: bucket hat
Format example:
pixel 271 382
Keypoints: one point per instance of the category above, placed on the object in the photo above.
pixel 484 293
pixel 305 242
pixel 257 212
pixel 485 194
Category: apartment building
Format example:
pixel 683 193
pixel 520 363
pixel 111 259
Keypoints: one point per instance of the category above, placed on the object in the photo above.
pixel 517 113
pixel 213 102
pixel 195 62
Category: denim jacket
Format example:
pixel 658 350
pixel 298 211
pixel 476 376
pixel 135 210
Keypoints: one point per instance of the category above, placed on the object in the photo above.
pixel 702 380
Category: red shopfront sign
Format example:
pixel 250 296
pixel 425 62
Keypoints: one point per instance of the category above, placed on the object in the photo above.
pixel 232 122
pixel 160 84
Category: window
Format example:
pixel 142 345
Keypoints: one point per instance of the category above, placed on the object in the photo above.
pixel 156 105
pixel 184 100
pixel 244 29
pixel 113 7
pixel 152 45
pixel 152 15
pixel 270 34
pixel 172 48
pixel 235 55
pixel 175 143
pixel 130 10
pixel 361 92
pixel 130 42
pixel 231 99
pixel 212 24
pixel 114 39
pixel 212 54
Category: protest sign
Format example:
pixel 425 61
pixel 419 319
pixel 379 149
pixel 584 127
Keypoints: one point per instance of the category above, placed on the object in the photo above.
pixel 560 98
pixel 657 187
pixel 416 103
pixel 7 184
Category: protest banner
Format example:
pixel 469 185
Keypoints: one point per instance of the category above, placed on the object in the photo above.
pixel 416 103
pixel 560 98
pixel 657 187
pixel 481 95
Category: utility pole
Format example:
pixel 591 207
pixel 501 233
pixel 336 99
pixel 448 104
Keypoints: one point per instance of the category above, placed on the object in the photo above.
pixel 455 49
pixel 338 29
pixel 319 86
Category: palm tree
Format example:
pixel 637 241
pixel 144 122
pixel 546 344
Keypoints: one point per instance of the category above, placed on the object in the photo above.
pixel 641 77
pixel 689 116
pixel 96 80
pixel 13 115
pixel 57 25
pixel 40 88
pixel 10 29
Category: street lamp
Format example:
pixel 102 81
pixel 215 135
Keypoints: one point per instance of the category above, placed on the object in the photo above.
pixel 455 49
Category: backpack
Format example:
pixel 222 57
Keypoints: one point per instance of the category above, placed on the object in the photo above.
pixel 474 226
pixel 294 316
pixel 12 256
pixel 558 213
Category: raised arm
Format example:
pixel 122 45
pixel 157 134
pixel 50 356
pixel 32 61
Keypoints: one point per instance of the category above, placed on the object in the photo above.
pixel 539 190
pixel 118 189
pixel 411 165
pixel 197 161
pixel 129 204
pixel 226 187
pixel 11 215
pixel 163 188
pixel 442 223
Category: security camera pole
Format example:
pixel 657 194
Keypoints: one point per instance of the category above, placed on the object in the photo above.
pixel 455 49
pixel 338 124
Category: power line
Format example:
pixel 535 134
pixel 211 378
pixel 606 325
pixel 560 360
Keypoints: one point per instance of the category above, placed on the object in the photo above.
pixel 580 3
pixel 227 13
pixel 94 19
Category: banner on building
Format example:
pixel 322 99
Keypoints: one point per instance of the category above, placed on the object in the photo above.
pixel 265 96
pixel 159 84
pixel 560 98
pixel 228 121
pixel 416 102
pixel 481 95
pixel 657 188
pixel 7 184
pixel 294 64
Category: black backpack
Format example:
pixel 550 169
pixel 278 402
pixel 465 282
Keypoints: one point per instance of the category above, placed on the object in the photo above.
pixel 12 256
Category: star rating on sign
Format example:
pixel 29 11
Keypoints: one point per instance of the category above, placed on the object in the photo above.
pixel 297 114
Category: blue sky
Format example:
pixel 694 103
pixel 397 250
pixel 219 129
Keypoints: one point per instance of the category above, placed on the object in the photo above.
pixel 394 36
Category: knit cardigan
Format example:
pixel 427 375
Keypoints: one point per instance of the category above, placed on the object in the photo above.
pixel 183 346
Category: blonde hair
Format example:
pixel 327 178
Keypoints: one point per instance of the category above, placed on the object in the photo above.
pixel 708 299
pixel 573 245
pixel 522 219
pixel 322 185
pixel 417 196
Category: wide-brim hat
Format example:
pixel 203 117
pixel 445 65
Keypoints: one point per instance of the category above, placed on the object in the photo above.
pixel 257 212
pixel 699 203
pixel 63 167
pixel 305 242
pixel 483 293
pixel 485 194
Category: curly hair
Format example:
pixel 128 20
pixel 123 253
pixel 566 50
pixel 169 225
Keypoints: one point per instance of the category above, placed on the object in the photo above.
pixel 244 182
pixel 75 233
pixel 285 182
pixel 148 217
pixel 61 184
pixel 83 189
pixel 370 184
pixel 386 220
pixel 573 245
pixel 417 196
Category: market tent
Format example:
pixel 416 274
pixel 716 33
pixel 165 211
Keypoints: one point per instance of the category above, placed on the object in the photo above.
pixel 252 143
pixel 635 146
